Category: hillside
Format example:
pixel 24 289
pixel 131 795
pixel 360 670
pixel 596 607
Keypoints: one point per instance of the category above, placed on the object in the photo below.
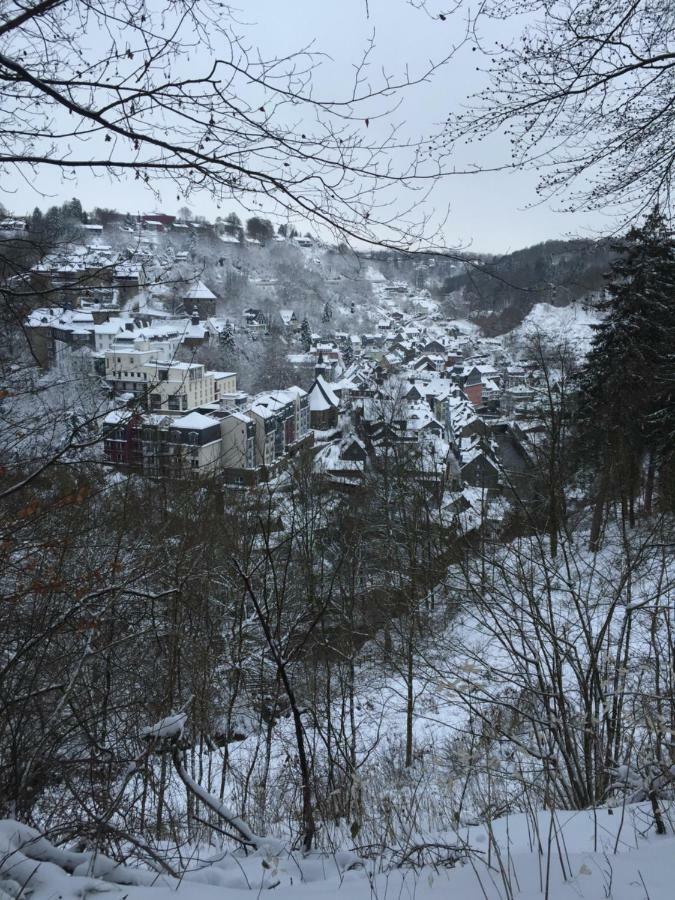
pixel 499 292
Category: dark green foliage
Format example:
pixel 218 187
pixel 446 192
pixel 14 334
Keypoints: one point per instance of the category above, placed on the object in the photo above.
pixel 347 351
pixel 627 386
pixel 260 229
pixel 59 223
pixel 232 226
pixel 305 335
pixel 503 290
pixel 227 337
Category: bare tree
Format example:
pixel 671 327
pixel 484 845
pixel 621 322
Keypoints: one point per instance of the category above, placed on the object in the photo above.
pixel 132 102
pixel 584 90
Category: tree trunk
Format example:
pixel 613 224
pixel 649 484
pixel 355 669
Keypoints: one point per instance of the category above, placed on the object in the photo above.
pixel 598 513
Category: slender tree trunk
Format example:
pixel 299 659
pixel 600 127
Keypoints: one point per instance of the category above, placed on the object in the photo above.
pixel 410 700
pixel 649 484
pixel 598 512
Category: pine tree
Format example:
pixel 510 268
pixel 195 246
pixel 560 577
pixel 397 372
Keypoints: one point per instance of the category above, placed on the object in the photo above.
pixel 627 386
pixel 227 337
pixel 306 335
pixel 37 221
pixel 327 313
pixel 347 351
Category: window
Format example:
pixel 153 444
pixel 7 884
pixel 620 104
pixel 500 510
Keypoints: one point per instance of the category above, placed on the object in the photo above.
pixel 174 402
pixel 155 401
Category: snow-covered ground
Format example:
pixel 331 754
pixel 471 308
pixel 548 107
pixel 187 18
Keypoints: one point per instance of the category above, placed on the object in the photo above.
pixel 590 855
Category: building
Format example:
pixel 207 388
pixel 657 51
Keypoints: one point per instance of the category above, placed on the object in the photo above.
pixel 323 405
pixel 282 421
pixel 238 432
pixel 201 299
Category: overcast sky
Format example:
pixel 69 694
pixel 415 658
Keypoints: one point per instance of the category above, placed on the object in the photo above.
pixel 488 212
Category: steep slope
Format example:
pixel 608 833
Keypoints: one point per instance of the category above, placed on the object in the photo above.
pixel 498 293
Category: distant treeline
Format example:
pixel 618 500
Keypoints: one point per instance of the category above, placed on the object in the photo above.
pixel 59 222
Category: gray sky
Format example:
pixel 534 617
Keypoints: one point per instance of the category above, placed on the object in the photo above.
pixel 488 212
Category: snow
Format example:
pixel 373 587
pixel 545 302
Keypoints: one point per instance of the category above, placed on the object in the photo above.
pixel 561 856
pixel 199 292
pixel 195 421
pixel 169 727
pixel 322 396
pixel 574 323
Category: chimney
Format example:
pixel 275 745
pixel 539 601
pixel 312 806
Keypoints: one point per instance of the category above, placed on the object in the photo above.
pixel 195 316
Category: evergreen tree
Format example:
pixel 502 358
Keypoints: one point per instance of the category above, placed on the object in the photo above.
pixel 305 335
pixel 259 229
pixel 627 386
pixel 347 351
pixel 53 223
pixel 327 313
pixel 227 337
pixel 232 226
pixel 73 210
pixel 37 222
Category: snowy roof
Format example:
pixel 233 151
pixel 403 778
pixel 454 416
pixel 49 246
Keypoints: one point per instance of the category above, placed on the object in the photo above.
pixel 116 416
pixel 241 417
pixel 322 396
pixel 199 291
pixel 195 421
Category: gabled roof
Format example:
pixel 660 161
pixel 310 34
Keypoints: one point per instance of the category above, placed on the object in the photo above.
pixel 199 291
pixel 322 396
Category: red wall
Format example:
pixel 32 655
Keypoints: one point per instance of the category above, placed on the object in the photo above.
pixel 475 393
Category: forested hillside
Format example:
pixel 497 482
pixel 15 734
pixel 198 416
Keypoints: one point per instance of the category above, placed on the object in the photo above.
pixel 499 292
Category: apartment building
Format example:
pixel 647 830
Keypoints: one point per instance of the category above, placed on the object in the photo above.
pixel 282 423
pixel 181 447
pixel 238 434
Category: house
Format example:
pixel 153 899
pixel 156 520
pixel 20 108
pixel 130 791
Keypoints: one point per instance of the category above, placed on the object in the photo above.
pixel 157 220
pixel 289 320
pixel 342 463
pixel 323 405
pixel 478 468
pixel 196 332
pixel 163 384
pixel 202 299
pixel 434 347
pixel 429 363
pixel 255 321
pixel 472 384
pixel 224 385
